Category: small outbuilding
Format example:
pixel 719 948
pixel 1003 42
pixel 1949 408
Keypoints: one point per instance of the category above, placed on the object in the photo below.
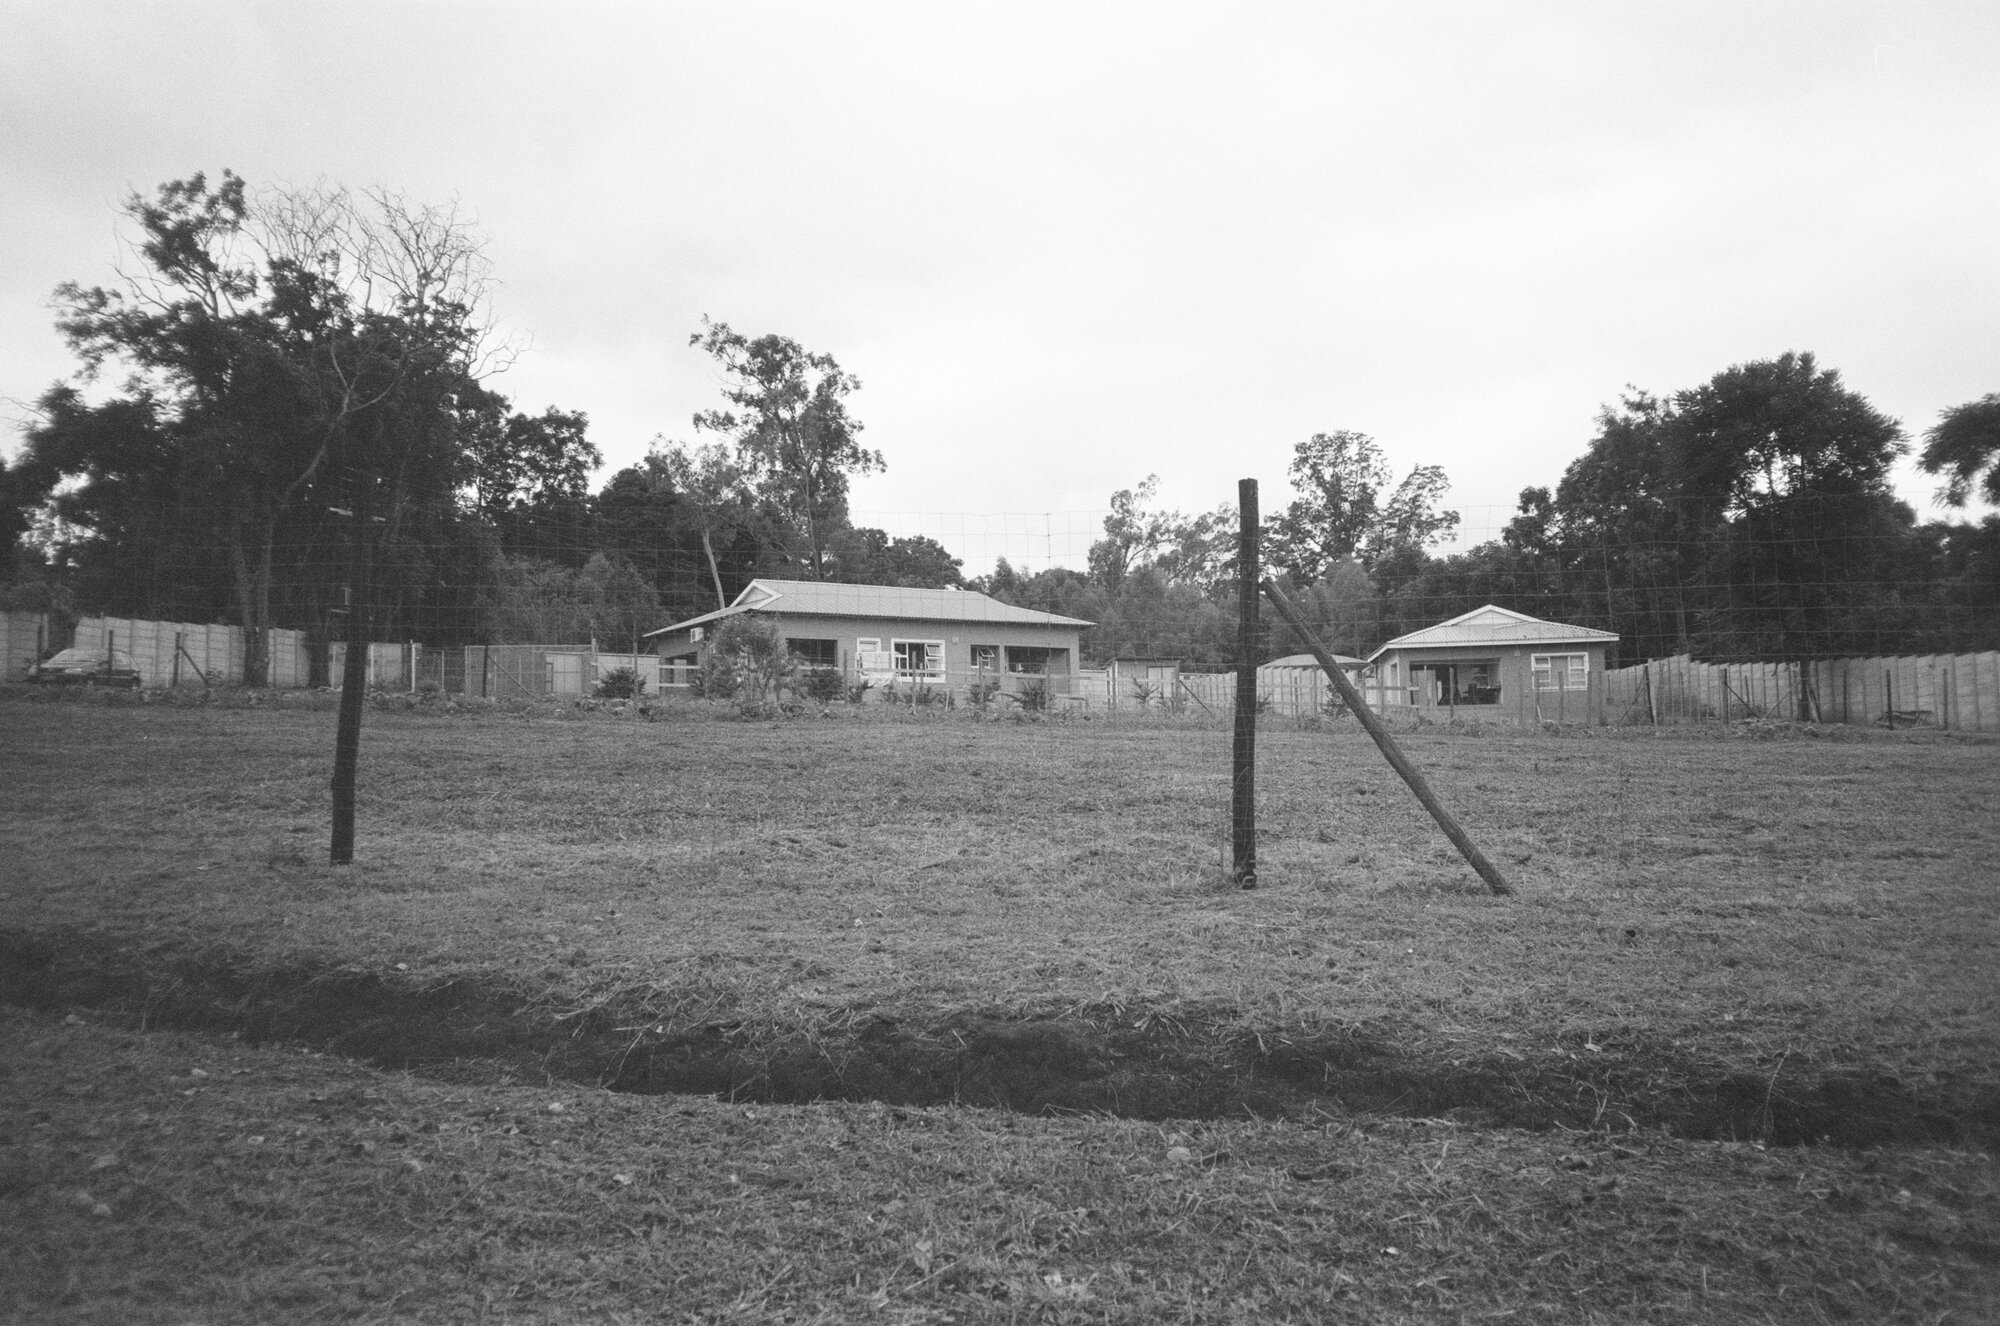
pixel 891 634
pixel 1496 663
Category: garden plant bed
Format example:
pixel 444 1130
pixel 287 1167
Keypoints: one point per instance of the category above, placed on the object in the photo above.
pixel 1720 944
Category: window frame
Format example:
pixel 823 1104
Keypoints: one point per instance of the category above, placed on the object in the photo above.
pixel 934 669
pixel 1543 677
pixel 830 649
pixel 1047 653
pixel 869 656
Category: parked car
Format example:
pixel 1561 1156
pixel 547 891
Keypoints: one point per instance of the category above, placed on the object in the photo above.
pixel 87 667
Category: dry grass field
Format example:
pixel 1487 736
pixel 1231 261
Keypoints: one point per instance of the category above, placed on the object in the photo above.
pixel 901 1016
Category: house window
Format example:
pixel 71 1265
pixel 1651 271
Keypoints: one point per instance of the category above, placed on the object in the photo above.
pixel 1561 672
pixel 919 658
pixel 986 658
pixel 870 657
pixel 1035 659
pixel 815 653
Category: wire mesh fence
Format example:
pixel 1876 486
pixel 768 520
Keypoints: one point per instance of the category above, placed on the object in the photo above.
pixel 1876 626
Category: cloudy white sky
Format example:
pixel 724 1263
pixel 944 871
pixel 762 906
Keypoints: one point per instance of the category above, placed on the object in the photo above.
pixel 1067 246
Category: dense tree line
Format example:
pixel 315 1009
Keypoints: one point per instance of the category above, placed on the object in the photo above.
pixel 1748 517
pixel 290 397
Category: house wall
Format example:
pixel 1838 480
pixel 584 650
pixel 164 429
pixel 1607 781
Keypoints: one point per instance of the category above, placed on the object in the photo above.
pixel 959 637
pixel 1519 702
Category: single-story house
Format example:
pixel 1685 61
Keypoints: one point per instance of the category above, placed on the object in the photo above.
pixel 893 635
pixel 1492 662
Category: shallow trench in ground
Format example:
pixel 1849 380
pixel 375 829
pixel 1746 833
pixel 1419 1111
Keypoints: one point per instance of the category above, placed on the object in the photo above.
pixel 1138 1066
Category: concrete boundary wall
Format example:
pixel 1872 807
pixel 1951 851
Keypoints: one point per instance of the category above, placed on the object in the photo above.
pixel 389 666
pixel 24 638
pixel 1956 692
pixel 193 653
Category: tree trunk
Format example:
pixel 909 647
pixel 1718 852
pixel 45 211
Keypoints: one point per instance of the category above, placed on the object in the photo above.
pixel 353 681
pixel 721 599
pixel 247 610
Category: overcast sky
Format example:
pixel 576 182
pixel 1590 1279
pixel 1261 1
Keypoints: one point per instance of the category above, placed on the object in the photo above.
pixel 1067 246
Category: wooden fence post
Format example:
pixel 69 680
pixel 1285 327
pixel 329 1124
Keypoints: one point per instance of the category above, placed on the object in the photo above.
pixel 1243 785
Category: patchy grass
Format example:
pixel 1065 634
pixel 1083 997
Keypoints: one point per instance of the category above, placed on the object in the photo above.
pixel 1764 940
pixel 171 1178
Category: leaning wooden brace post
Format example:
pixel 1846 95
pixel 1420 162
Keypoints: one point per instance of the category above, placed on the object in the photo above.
pixel 1397 760
pixel 1243 785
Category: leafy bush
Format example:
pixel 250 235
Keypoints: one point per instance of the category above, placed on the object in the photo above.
pixel 1034 694
pixel 620 684
pixel 750 659
pixel 823 685
pixel 716 679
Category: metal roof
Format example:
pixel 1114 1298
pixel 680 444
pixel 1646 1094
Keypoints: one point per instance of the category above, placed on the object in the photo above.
pixel 827 599
pixel 1346 662
pixel 1491 625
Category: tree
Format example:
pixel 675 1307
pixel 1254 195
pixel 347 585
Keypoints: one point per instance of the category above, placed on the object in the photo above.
pixel 871 557
pixel 1963 442
pixel 1621 542
pixel 1748 516
pixel 302 373
pixel 1131 533
pixel 1340 607
pixel 537 601
pixel 1782 428
pixel 794 441
pixel 715 491
pixel 1200 551
pixel 1342 511
pixel 639 517
pixel 531 479
pixel 1058 589
pixel 277 348
pixel 1797 466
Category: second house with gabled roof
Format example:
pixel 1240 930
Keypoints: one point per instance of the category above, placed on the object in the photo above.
pixel 1496 663
pixel 894 635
